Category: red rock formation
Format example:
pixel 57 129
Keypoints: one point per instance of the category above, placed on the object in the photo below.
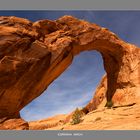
pixel 13 124
pixel 32 55
pixel 99 96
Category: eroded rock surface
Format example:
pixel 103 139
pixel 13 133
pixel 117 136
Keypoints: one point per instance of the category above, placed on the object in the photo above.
pixel 13 124
pixel 33 55
pixel 121 118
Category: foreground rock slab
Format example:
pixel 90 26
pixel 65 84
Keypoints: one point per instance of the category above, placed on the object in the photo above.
pixel 121 118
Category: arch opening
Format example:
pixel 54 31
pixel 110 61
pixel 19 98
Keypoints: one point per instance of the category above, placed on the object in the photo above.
pixel 74 88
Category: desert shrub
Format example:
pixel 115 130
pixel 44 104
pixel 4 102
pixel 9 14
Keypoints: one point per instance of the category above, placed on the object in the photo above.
pixel 76 117
pixel 109 104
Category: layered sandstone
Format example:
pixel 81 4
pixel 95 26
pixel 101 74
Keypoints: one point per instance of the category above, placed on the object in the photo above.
pixel 33 55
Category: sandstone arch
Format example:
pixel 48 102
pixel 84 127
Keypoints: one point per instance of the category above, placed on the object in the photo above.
pixel 28 63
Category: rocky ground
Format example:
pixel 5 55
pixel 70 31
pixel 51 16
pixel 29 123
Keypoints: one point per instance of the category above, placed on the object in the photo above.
pixel 117 118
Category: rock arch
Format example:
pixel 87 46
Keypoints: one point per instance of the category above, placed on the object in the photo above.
pixel 32 57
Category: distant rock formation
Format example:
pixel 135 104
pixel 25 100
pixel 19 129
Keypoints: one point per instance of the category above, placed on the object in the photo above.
pixel 33 55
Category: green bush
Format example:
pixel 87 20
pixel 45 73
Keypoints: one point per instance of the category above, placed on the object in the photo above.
pixel 109 104
pixel 76 117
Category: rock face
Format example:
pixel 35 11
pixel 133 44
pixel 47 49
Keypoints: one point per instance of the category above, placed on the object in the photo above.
pixel 33 55
pixel 99 97
pixel 13 124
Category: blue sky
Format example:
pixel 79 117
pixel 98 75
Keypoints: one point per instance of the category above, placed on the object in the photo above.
pixel 76 86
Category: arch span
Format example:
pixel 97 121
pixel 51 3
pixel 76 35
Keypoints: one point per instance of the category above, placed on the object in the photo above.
pixel 73 88
pixel 32 55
